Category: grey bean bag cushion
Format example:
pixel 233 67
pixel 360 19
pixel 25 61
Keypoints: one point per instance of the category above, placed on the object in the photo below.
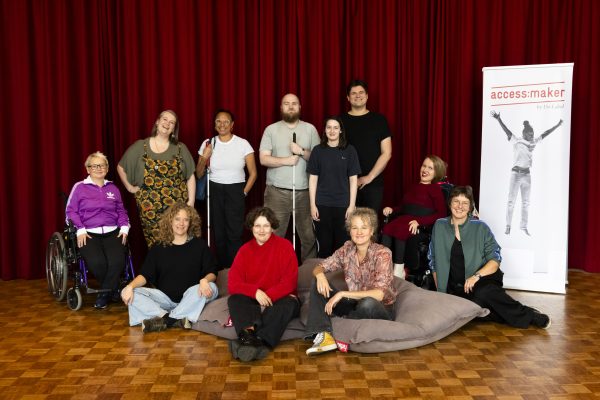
pixel 422 316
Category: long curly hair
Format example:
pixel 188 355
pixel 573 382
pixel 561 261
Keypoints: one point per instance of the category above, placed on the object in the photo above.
pixel 165 225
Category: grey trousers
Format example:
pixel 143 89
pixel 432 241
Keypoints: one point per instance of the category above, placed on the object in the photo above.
pixel 280 201
pixel 519 181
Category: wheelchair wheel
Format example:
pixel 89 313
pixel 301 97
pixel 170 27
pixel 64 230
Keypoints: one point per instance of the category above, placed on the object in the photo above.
pixel 74 299
pixel 56 266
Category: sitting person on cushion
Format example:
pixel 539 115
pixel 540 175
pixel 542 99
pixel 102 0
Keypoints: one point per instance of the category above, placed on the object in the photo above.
pixel 367 268
pixel 262 285
pixel 465 260
pixel 182 270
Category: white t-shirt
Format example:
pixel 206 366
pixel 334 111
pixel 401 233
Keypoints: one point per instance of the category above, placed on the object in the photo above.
pixel 228 160
pixel 522 151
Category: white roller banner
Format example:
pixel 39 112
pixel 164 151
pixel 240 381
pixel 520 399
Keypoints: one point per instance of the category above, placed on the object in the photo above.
pixel 524 188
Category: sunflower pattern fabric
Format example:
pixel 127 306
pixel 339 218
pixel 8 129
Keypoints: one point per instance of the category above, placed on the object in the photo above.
pixel 163 186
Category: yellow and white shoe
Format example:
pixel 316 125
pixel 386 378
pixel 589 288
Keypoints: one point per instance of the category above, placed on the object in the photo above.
pixel 323 343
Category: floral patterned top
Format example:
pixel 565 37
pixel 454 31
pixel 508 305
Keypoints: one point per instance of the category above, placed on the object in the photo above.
pixel 375 271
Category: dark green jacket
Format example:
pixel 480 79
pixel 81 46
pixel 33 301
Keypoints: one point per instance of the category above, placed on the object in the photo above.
pixel 478 243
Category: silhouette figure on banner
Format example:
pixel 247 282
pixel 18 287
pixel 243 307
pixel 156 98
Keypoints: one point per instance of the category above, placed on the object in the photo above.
pixel 520 177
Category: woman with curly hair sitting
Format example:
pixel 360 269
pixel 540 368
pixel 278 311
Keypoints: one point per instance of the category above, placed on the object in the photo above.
pixel 182 270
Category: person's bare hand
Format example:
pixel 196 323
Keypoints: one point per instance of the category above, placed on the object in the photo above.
pixel 263 299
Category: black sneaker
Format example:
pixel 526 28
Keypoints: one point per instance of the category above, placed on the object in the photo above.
pixel 101 301
pixel 115 296
pixel 155 324
pixel 540 320
pixel 234 346
pixel 251 347
pixel 182 323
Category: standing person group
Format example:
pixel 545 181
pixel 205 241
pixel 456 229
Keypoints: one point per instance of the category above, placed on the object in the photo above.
pixel 227 154
pixel 159 171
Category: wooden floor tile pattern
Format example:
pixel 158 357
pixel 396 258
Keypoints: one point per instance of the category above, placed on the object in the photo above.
pixel 50 352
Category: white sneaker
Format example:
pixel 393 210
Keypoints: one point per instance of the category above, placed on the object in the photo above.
pixel 399 271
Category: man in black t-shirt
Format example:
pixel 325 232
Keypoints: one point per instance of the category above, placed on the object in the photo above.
pixel 370 135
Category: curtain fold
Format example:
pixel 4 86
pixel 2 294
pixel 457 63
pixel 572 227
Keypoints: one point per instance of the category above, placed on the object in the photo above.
pixel 77 77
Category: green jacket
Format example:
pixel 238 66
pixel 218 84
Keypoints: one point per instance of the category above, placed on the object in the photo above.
pixel 478 243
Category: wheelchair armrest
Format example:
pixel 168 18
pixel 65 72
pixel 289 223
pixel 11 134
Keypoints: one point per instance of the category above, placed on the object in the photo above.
pixel 70 228
pixel 426 229
pixel 391 216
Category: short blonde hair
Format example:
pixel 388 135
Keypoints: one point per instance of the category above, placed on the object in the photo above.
pixel 96 154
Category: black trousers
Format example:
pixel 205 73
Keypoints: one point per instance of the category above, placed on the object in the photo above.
pixel 397 247
pixel 365 308
pixel 331 230
pixel 489 293
pixel 227 208
pixel 270 323
pixel 370 196
pixel 104 255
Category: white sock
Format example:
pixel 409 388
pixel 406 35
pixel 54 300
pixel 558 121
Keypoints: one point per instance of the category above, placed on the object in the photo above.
pixel 399 271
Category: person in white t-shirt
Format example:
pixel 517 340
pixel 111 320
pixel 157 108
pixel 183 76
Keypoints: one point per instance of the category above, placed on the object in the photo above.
pixel 229 154
pixel 520 178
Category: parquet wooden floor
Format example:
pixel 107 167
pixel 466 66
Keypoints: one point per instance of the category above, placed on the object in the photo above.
pixel 50 352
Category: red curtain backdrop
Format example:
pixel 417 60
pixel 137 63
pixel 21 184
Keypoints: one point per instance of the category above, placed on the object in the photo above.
pixel 80 76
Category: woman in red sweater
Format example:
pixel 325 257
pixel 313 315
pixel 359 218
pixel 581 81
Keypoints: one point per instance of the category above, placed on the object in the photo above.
pixel 262 286
pixel 422 204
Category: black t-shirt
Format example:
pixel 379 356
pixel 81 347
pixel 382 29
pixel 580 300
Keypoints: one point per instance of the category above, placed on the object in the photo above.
pixel 333 166
pixel 365 133
pixel 173 269
pixel 456 279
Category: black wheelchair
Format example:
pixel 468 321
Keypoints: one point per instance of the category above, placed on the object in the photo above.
pixel 416 260
pixel 64 260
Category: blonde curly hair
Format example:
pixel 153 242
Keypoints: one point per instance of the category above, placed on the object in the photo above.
pixel 165 225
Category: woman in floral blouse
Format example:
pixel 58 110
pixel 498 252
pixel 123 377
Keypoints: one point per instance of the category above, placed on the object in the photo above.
pixel 367 270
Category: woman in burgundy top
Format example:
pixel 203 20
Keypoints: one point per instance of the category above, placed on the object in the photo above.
pixel 422 204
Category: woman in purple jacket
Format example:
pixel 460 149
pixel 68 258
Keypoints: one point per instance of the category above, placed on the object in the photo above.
pixel 95 208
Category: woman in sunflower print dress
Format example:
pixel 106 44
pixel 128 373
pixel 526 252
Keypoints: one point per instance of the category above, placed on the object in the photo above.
pixel 159 171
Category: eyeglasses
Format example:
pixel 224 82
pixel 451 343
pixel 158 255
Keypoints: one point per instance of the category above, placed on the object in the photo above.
pixel 457 203
pixel 95 167
pixel 225 123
